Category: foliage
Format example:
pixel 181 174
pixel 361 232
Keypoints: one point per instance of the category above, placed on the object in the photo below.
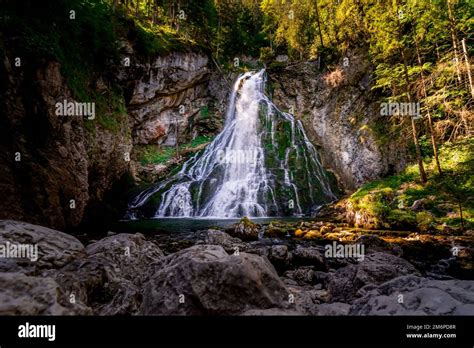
pixel 390 199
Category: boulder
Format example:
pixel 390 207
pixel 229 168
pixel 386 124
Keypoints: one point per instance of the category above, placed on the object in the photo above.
pixel 54 249
pixel 375 269
pixel 279 256
pixel 418 204
pixel 230 244
pixel 24 295
pixel 271 312
pixel 309 256
pixel 110 278
pixel 412 295
pixel 332 309
pixel 303 276
pixel 374 243
pixel 245 230
pixel 204 279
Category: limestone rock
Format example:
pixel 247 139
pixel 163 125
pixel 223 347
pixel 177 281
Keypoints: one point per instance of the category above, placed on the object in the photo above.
pixel 110 278
pixel 55 249
pixel 25 295
pixel 230 244
pixel 375 269
pixel 204 279
pixel 420 296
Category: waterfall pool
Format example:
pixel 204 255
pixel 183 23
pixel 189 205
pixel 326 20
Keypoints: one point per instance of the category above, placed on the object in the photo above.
pixel 186 226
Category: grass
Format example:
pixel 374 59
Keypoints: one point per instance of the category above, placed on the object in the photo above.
pixel 155 154
pixel 389 199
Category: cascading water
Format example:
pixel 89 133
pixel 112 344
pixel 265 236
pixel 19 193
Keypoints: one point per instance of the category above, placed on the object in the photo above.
pixel 261 164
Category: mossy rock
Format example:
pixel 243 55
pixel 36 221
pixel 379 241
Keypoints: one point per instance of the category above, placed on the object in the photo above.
pixel 425 221
pixel 245 229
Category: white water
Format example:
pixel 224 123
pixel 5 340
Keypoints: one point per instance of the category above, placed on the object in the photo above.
pixel 230 178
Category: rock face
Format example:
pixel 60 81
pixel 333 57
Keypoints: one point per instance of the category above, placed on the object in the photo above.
pixel 420 296
pixel 43 156
pixel 53 166
pixel 60 170
pixel 338 112
pixel 167 95
pixel 204 279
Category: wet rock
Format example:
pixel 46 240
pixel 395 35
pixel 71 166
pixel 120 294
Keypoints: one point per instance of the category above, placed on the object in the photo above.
pixel 376 268
pixel 420 296
pixel 338 117
pixel 204 279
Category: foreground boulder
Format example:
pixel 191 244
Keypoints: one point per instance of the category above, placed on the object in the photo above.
pixel 109 279
pixel 376 268
pixel 412 295
pixel 24 295
pixel 54 249
pixel 205 280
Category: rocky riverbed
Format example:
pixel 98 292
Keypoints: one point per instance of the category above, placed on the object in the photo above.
pixel 283 268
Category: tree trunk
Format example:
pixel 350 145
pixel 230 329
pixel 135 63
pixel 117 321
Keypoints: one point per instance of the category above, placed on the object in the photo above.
pixel 419 159
pixel 430 121
pixel 468 67
pixel 460 214
pixel 452 27
pixel 319 23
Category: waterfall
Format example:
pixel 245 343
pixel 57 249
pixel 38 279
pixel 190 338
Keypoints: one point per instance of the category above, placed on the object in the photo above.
pixel 261 164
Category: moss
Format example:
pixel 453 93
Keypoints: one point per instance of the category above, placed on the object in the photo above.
pixel 389 199
pixel 156 154
pixel 425 221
